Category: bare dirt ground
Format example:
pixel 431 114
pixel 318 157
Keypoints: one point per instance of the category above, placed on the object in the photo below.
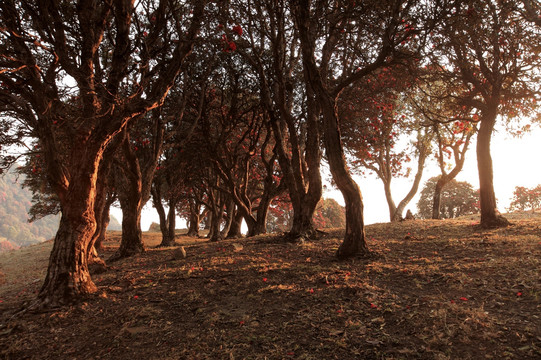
pixel 430 290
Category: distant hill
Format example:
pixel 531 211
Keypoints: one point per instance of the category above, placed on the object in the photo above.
pixel 14 205
pixel 114 224
pixel 6 245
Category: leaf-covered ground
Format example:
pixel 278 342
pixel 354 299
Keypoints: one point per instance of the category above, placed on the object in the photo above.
pixel 430 290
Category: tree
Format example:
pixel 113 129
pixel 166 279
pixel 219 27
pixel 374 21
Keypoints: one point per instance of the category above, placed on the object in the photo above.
pixel 239 146
pixel 457 198
pixel 374 118
pixel 291 108
pixel 526 199
pixel 531 11
pixel 342 43
pixel 280 217
pixel 453 124
pixel 77 74
pixel 493 51
pixel 454 145
pixel 329 214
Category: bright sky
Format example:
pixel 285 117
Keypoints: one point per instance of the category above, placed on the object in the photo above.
pixel 515 164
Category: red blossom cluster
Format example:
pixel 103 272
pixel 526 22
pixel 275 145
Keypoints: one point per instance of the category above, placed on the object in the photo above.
pixel 237 29
pixel 230 45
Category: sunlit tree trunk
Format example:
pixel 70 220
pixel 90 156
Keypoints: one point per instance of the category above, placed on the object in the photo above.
pixel 67 275
pixel 389 197
pixel 93 43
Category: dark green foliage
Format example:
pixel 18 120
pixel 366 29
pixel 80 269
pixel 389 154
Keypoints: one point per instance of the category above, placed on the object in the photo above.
pixel 457 198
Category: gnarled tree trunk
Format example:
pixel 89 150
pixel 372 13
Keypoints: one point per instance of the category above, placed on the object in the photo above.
pixel 131 202
pixel 303 212
pixel 195 220
pixel 235 228
pixel 354 239
pixel 169 238
pixel 67 275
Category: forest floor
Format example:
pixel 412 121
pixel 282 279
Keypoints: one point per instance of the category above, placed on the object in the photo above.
pixel 429 290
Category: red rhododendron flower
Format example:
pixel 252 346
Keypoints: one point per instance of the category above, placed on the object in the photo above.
pixel 237 29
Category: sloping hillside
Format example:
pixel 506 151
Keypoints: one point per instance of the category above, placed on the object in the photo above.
pixel 430 290
pixel 14 205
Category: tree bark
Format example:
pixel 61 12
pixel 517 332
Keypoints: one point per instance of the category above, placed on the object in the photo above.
pixel 104 200
pixel 132 236
pixel 194 221
pixel 169 238
pixel 354 239
pixel 157 201
pixel 214 233
pixel 303 224
pixel 230 211
pixel 436 204
pixel 389 197
pixel 490 216
pixel 67 275
pixel 235 229
pixel 131 202
pixel 104 222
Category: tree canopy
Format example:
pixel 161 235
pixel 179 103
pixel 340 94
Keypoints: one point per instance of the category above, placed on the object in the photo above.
pixel 457 198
